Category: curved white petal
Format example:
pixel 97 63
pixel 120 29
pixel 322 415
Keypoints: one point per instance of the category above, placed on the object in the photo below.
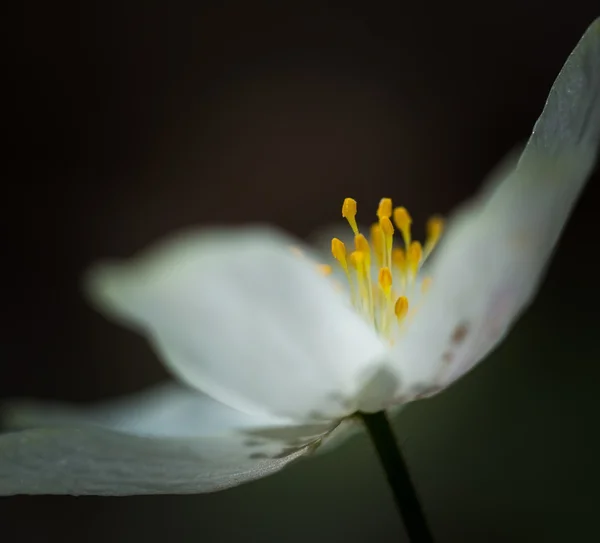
pixel 494 254
pixel 239 315
pixel 102 462
pixel 166 410
pixel 349 428
pixel 345 430
pixel 165 440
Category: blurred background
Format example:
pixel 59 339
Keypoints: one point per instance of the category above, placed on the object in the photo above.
pixel 131 119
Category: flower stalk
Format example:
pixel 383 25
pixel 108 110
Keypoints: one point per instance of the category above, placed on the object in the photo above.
pixel 396 470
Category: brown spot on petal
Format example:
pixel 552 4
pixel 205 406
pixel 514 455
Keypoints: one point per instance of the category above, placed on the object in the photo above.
pixel 447 357
pixel 460 333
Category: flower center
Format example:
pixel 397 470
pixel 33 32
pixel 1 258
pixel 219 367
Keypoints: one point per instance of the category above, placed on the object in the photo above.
pixel 382 277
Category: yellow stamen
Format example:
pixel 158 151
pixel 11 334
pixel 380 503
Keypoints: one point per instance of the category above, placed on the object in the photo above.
pixel 401 308
pixel 349 213
pixel 325 269
pixel 385 284
pixel 385 208
pixel 388 238
pixel 361 244
pixel 435 227
pixel 400 264
pixel 386 226
pixel 403 221
pixel 385 281
pixel 377 298
pixel 338 250
pixel 399 259
pixel 377 240
pixel 414 255
pixel 357 261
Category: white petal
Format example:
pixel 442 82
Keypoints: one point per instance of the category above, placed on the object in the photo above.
pixel 345 430
pixel 494 254
pixel 240 316
pixel 166 440
pixel 349 428
pixel 167 410
pixel 102 462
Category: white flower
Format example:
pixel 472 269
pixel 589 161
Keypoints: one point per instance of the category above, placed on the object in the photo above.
pixel 275 358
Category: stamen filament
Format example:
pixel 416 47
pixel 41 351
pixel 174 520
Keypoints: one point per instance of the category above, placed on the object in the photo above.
pixel 385 283
pixel 358 261
pixel 338 250
pixel 399 262
pixel 388 237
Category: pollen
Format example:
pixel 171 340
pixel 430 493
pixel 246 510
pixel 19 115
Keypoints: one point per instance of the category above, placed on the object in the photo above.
pixel 381 276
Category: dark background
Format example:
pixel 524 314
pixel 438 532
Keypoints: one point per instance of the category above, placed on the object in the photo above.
pixel 128 120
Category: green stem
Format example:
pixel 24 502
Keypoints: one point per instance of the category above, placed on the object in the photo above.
pixel 396 470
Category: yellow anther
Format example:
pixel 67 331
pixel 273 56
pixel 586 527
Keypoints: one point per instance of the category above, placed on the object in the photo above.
pixel 399 259
pixel 357 260
pixel 435 227
pixel 338 250
pixel 426 284
pixel 361 244
pixel 414 255
pixel 401 307
pixel 349 213
pixel 386 226
pixel 377 240
pixel 325 269
pixel 403 221
pixel 385 208
pixel 385 281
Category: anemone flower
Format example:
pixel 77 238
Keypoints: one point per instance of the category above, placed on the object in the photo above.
pixel 279 350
